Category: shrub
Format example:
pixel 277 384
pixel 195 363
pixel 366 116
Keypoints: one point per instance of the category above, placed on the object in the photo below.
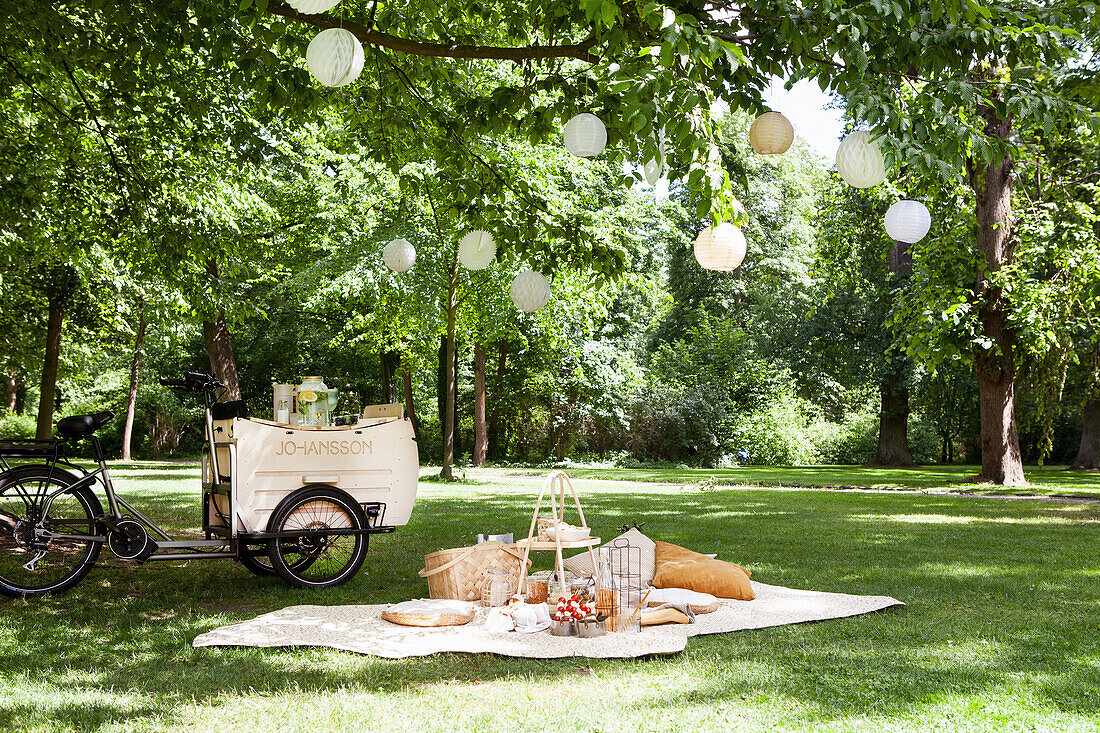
pixel 13 425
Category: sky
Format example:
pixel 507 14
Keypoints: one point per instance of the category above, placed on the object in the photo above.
pixel 808 109
pixel 806 106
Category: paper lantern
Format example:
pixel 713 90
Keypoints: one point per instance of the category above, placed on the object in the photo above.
pixel 908 221
pixel 335 57
pixel 859 161
pixel 312 7
pixel 530 291
pixel 585 135
pixel 476 250
pixel 653 170
pixel 399 255
pixel 721 248
pixel 771 134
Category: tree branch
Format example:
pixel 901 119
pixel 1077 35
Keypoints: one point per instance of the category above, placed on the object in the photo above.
pixel 447 50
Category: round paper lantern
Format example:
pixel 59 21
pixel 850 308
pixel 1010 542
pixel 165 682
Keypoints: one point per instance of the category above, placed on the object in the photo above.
pixel 399 255
pixel 476 250
pixel 771 134
pixel 312 7
pixel 859 161
pixel 585 135
pixel 653 170
pixel 908 221
pixel 721 248
pixel 530 291
pixel 335 57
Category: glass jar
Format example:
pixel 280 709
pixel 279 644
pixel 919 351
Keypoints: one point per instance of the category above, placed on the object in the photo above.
pixel 313 402
pixel 497 587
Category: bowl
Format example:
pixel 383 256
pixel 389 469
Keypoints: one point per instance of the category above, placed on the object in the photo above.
pixel 569 534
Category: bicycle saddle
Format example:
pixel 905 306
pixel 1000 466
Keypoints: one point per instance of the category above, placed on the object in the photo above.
pixel 80 426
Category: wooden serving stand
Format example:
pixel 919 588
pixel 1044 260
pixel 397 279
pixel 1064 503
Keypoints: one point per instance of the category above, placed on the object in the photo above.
pixel 555 482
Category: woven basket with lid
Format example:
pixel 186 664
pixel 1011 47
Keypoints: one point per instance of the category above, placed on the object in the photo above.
pixel 459 573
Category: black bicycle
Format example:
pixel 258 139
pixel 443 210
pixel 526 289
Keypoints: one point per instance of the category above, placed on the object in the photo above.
pixel 53 526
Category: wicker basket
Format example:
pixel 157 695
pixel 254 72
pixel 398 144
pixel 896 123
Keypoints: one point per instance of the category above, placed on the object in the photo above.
pixel 459 573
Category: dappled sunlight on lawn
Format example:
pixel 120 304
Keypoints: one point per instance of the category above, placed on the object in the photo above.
pixel 1002 598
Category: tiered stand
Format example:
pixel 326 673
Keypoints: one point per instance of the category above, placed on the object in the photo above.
pixel 555 484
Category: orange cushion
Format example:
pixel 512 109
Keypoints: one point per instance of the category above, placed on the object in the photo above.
pixel 678 567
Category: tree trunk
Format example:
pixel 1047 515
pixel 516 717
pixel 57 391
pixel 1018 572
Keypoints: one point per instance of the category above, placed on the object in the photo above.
pixel 441 391
pixel 131 402
pixel 481 438
pixel 447 470
pixel 13 391
pixel 219 347
pixel 457 431
pixel 410 404
pixel 496 444
pixel 48 386
pixel 391 362
pixel 996 366
pixel 893 421
pixel 893 416
pixel 1088 456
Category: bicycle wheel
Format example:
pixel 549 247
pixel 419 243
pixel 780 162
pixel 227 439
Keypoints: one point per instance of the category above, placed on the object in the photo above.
pixel 317 560
pixel 256 560
pixel 32 563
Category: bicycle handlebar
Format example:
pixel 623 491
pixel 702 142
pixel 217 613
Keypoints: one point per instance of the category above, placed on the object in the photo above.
pixel 194 381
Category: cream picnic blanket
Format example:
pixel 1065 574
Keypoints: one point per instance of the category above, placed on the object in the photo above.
pixel 361 628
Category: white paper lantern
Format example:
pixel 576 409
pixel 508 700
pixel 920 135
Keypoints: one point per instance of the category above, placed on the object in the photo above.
pixel 721 248
pixel 653 170
pixel 399 255
pixel 530 291
pixel 312 7
pixel 585 135
pixel 477 249
pixel 335 57
pixel 908 221
pixel 859 161
pixel 771 134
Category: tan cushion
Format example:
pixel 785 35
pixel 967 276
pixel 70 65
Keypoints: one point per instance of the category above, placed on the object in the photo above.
pixel 659 616
pixel 678 567
pixel 581 565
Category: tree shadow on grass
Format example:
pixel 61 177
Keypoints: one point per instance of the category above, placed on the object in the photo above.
pixel 997 592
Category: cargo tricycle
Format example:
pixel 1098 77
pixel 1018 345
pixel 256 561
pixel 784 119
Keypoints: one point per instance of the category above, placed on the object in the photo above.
pixel 297 502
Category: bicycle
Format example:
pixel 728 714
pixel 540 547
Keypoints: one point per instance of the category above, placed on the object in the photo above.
pixel 53 525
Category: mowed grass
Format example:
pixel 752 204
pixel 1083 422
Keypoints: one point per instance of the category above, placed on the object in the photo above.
pixel 999 631
pixel 1045 480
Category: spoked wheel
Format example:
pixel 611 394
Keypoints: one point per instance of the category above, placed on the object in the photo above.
pixel 257 560
pixel 33 560
pixel 314 559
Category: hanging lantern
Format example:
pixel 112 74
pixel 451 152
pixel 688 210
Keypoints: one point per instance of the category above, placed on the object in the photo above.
pixel 399 255
pixel 653 170
pixel 335 57
pixel 529 290
pixel 312 7
pixel 859 161
pixel 721 248
pixel 771 134
pixel 908 221
pixel 585 135
pixel 476 250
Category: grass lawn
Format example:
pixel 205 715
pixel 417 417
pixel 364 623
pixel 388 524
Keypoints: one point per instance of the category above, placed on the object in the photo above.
pixel 1000 630
pixel 1045 480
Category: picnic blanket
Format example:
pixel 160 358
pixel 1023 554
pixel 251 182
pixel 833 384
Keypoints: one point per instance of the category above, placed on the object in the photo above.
pixel 361 629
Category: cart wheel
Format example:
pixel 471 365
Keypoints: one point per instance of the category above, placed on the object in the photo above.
pixel 257 560
pixel 313 559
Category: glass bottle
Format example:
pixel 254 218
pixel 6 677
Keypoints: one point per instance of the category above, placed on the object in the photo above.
pixel 497 587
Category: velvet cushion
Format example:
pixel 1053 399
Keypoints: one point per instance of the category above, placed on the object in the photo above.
pixel 678 567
